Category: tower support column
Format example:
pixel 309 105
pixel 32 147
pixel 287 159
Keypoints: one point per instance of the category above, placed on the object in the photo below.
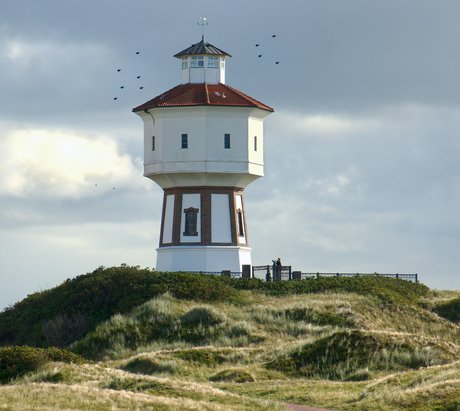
pixel 201 228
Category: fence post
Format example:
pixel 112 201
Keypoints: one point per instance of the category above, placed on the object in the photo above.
pixel 246 273
pixel 290 272
pixel 337 275
pixel 268 276
pixel 317 276
pixel 226 273
pixel 397 276
pixel 296 275
pixel 416 277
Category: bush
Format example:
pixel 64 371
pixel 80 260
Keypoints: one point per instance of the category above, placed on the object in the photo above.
pixel 449 310
pixel 66 313
pixel 17 361
pixel 342 355
pixel 204 357
pixel 149 366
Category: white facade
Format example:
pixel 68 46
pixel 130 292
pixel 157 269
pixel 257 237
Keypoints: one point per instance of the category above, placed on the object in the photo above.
pixel 199 258
pixel 205 127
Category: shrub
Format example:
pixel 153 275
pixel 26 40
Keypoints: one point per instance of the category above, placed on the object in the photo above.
pixel 206 316
pixel 149 366
pixel 449 310
pixel 47 317
pixel 17 361
pixel 343 354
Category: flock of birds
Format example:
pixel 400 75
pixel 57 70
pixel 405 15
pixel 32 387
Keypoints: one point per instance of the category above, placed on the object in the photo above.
pixel 139 77
pixel 261 55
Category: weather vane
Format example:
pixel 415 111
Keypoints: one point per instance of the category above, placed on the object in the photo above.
pixel 203 22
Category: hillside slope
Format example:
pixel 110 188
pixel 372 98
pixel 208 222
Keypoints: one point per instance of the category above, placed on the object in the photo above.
pixel 184 341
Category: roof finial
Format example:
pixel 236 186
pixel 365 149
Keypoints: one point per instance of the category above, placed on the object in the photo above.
pixel 203 22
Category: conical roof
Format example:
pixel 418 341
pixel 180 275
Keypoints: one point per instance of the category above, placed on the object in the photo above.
pixel 202 48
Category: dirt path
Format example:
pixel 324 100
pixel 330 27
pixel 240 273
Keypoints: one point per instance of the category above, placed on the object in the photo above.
pixel 297 407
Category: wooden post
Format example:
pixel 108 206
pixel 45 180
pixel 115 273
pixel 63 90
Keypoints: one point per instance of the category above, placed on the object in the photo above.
pixel 416 277
pixel 296 275
pixel 226 273
pixel 317 276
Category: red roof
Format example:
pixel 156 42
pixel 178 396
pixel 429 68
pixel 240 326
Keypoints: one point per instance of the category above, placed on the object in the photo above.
pixel 202 94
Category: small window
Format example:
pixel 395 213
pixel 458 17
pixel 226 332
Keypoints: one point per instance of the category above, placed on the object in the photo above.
pixel 197 61
pixel 226 140
pixel 184 142
pixel 239 214
pixel 184 63
pixel 153 143
pixel 213 62
pixel 191 218
pixel 255 143
pixel 222 63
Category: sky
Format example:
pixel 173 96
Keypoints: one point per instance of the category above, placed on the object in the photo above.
pixel 361 154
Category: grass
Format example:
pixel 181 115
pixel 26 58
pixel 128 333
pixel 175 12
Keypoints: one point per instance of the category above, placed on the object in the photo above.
pixel 338 343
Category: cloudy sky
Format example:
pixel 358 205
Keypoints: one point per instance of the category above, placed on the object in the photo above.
pixel 362 152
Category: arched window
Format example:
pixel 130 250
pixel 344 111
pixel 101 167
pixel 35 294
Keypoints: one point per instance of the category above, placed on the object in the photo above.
pixel 191 219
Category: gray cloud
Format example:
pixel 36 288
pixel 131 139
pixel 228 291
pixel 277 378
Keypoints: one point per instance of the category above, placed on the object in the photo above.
pixel 361 153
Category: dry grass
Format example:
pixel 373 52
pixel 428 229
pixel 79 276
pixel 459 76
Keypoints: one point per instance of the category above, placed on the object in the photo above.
pixel 170 373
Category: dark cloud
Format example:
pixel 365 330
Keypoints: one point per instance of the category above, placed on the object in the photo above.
pixel 361 153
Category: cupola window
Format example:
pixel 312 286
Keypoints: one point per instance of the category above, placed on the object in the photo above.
pixel 213 62
pixel 153 143
pixel 197 61
pixel 184 63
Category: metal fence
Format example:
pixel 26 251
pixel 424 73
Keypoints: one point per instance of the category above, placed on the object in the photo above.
pixel 285 273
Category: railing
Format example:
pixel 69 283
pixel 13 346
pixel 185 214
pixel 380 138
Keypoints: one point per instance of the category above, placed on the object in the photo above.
pixel 401 276
pixel 285 273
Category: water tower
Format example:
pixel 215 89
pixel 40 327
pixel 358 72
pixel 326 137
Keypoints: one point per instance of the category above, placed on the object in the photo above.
pixel 203 145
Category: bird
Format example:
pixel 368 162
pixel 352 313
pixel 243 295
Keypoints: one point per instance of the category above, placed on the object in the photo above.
pixel 118 70
pixel 140 88
pixel 122 86
pixel 260 55
pixel 257 45
pixel 273 35
pixel 137 52
pixel 138 77
pixel 115 98
pixel 277 62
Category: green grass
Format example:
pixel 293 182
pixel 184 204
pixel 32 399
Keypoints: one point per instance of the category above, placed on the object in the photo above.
pixel 181 341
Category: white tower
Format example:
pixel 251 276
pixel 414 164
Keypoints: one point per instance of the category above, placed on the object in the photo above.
pixel 203 145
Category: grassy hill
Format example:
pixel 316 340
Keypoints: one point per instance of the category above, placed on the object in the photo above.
pixel 136 339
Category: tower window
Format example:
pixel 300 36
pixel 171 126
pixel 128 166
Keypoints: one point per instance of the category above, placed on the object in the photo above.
pixel 191 218
pixel 226 140
pixel 184 63
pixel 153 143
pixel 239 215
pixel 184 141
pixel 197 61
pixel 213 62
pixel 255 143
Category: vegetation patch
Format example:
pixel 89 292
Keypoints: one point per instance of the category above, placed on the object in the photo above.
pixel 319 318
pixel 233 375
pixel 344 355
pixel 19 360
pixel 150 366
pixel 203 356
pixel 449 310
pixel 66 313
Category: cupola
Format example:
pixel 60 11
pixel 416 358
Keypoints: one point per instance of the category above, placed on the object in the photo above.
pixel 203 63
